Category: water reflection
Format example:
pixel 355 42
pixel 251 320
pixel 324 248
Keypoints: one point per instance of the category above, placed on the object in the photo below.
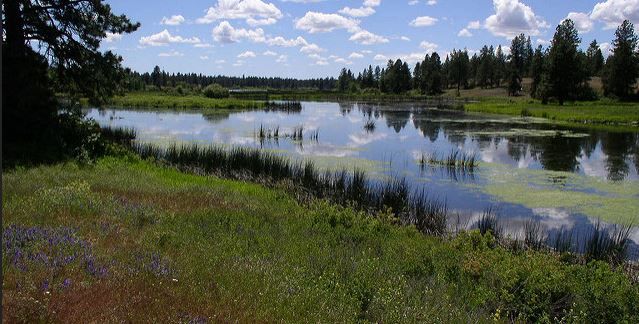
pixel 582 167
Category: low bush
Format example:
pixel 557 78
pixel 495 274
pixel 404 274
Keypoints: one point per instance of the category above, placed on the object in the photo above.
pixel 215 91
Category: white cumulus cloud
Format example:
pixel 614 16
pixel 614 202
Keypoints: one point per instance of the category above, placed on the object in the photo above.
pixel 164 38
pixel 428 46
pixel 173 20
pixel 226 33
pixel 311 48
pixel 247 54
pixel 512 18
pixel 253 11
pixel 613 12
pixel 582 21
pixel 317 22
pixel 365 37
pixel 357 12
pixel 423 21
pixel 464 33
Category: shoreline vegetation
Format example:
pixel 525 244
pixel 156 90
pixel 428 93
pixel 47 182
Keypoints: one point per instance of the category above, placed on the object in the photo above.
pixel 190 224
pixel 611 114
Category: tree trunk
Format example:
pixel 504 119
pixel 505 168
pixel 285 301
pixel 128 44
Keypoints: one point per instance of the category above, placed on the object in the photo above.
pixel 14 27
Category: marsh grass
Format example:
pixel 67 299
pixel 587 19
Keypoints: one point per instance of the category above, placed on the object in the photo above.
pixel 369 126
pixel 455 159
pixel 297 134
pixel 534 236
pixel 344 187
pixel 408 204
pixel 287 106
pixel 608 244
pixel 122 135
pixel 489 222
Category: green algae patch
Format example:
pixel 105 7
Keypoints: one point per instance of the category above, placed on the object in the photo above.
pixel 332 163
pixel 615 202
pixel 518 132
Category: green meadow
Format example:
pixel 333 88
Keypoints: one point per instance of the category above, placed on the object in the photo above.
pixel 135 241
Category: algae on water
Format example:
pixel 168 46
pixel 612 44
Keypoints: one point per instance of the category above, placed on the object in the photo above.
pixel 614 202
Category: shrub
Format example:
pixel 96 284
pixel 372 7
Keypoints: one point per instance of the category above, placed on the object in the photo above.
pixel 216 91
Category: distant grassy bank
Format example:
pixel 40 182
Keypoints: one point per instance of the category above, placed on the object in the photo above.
pixel 602 112
pixel 156 244
pixel 143 100
pixel 589 112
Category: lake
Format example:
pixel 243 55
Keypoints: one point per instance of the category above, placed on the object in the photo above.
pixel 563 177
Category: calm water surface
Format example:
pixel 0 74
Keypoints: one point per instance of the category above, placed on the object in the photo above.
pixel 562 177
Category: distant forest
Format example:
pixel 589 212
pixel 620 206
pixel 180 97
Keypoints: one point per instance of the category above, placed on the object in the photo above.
pixel 559 72
pixel 160 78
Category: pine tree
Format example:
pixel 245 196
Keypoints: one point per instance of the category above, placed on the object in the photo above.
pixel 564 74
pixel 536 71
pixel 595 59
pixel 622 67
pixel 500 66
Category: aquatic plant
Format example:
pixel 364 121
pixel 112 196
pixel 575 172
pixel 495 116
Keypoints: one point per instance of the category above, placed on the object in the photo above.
pixel 534 236
pixel 488 222
pixel 609 245
pixel 121 135
pixel 369 126
pixel 455 159
pixel 287 106
pixel 563 241
pixel 410 205
pixel 343 187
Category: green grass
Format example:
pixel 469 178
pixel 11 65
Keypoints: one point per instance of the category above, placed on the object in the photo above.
pixel 161 100
pixel 591 112
pixel 181 247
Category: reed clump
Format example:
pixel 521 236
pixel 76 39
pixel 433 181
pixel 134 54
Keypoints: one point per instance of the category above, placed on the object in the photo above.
pixel 122 135
pixel 287 106
pixel 342 187
pixel 408 205
pixel 455 159
pixel 369 126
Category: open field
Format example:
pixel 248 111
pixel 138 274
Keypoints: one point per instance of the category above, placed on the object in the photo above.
pixel 125 239
pixel 588 112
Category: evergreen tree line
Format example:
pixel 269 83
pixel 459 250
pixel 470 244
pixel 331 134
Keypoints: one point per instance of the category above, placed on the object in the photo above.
pixel 160 78
pixel 559 72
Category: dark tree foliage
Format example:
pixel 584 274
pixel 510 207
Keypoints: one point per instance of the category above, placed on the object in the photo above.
pixel 160 78
pixel 459 69
pixel 500 66
pixel 486 73
pixel 536 71
pixel 396 77
pixel 517 64
pixel 429 75
pixel 565 76
pixel 622 67
pixel 46 41
pixel 595 59
pixel 346 78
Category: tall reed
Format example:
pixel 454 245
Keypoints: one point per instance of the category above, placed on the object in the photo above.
pixel 454 159
pixel 353 188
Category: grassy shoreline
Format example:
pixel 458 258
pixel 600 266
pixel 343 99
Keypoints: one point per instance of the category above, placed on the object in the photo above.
pixel 600 112
pixel 153 100
pixel 192 247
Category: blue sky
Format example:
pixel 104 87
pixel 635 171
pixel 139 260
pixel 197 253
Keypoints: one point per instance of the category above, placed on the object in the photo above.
pixel 316 38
